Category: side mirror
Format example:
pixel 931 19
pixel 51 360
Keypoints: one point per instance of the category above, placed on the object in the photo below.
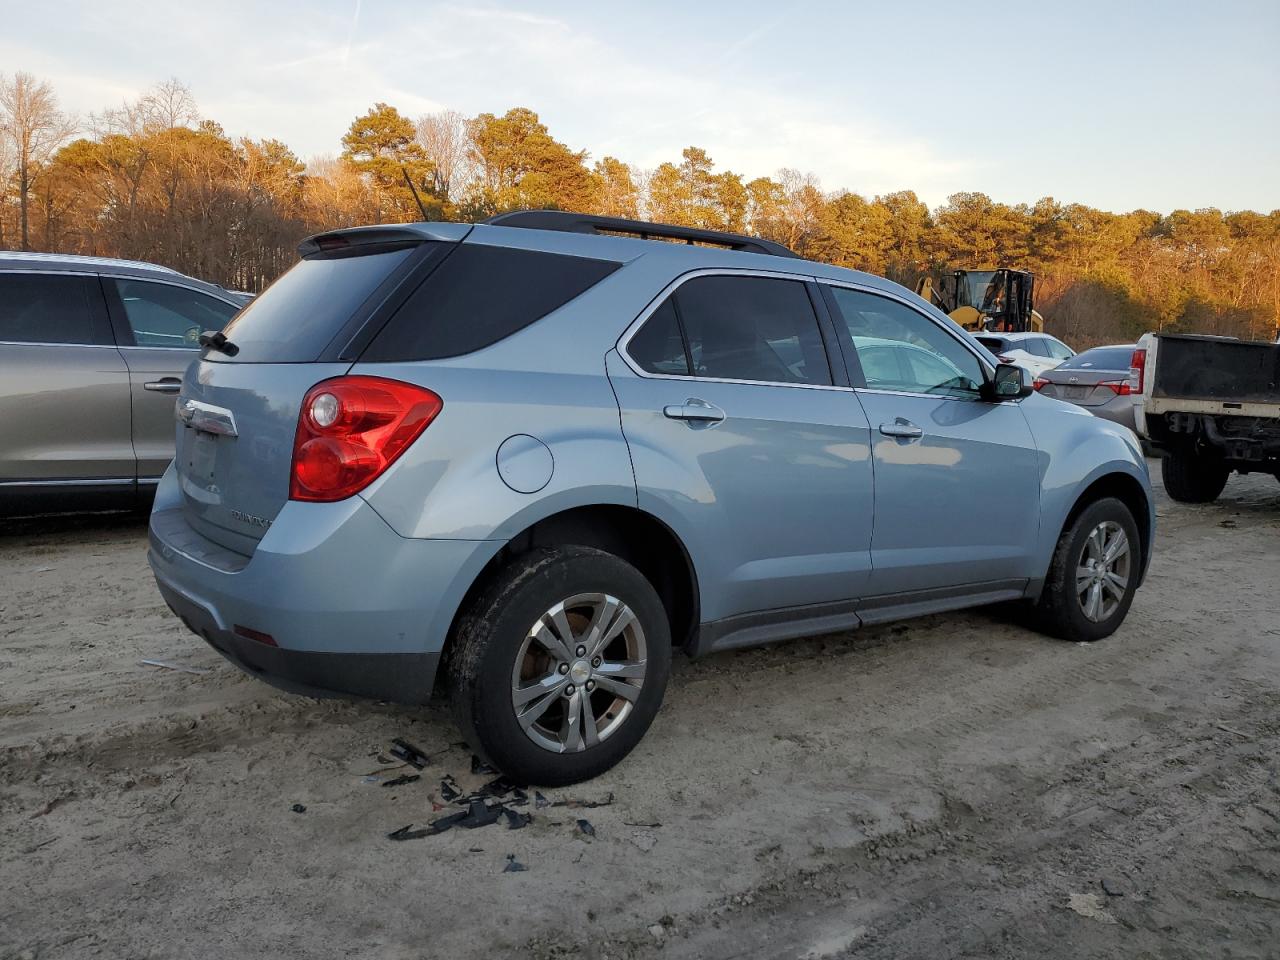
pixel 1008 383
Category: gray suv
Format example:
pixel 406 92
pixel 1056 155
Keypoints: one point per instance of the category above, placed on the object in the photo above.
pixel 529 459
pixel 92 353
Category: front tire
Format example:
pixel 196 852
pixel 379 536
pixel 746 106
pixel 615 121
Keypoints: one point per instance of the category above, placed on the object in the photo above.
pixel 559 666
pixel 1093 575
pixel 1192 477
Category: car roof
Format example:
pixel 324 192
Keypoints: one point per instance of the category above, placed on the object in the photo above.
pixel 75 263
pixel 683 257
pixel 70 261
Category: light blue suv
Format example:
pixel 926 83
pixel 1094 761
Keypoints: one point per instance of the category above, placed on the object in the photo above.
pixel 530 458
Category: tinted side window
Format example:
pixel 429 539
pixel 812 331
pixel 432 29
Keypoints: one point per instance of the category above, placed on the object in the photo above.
pixel 658 347
pixel 1036 346
pixel 480 295
pixel 44 308
pixel 935 361
pixel 752 328
pixel 164 315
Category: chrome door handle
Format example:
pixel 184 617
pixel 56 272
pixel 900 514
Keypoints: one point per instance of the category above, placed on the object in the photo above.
pixel 166 385
pixel 902 430
pixel 694 409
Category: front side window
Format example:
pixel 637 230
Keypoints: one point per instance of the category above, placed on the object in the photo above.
pixel 928 359
pixel 165 315
pixel 44 308
pixel 736 328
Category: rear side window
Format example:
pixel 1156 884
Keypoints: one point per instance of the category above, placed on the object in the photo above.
pixel 298 315
pixel 480 295
pixel 996 345
pixel 1057 349
pixel 45 308
pixel 737 328
pixel 167 315
pixel 658 347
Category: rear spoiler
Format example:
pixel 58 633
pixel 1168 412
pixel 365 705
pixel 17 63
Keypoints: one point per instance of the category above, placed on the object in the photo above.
pixel 382 235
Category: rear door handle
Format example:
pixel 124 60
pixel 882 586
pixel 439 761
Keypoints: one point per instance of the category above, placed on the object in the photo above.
pixel 163 385
pixel 902 430
pixel 694 409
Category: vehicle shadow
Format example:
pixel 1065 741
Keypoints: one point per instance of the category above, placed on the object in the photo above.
pixel 76 524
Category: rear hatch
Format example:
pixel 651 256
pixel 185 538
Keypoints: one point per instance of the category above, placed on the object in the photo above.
pixel 1088 388
pixel 238 412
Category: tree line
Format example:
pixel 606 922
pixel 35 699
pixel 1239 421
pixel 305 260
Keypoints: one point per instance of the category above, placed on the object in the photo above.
pixel 154 180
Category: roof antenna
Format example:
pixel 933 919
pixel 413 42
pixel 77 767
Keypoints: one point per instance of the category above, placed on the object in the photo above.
pixel 414 191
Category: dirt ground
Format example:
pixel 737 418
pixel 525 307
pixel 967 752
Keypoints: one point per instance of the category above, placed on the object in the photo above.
pixel 952 786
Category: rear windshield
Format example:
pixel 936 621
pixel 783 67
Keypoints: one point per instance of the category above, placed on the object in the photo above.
pixel 480 295
pixel 994 344
pixel 299 314
pixel 1101 358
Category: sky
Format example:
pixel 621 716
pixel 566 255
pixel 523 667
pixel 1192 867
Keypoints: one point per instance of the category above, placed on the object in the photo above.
pixel 1122 105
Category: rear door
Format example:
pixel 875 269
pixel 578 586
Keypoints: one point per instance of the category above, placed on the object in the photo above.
pixel 957 503
pixel 158 326
pixel 64 388
pixel 743 441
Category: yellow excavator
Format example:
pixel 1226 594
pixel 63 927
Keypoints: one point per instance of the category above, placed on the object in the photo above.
pixel 995 300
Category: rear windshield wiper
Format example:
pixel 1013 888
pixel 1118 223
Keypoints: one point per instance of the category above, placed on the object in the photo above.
pixel 217 340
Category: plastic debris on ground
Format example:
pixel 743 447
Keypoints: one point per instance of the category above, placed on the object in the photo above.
pixel 585 827
pixel 514 865
pixel 402 779
pixel 170 665
pixel 403 750
pixel 480 767
pixel 583 804
pixel 515 819
pixel 298 808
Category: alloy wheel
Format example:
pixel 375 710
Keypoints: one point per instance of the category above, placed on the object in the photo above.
pixel 1102 572
pixel 578 672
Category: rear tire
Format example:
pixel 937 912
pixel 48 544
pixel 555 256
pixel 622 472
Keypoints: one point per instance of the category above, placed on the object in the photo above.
pixel 1193 477
pixel 522 696
pixel 1066 608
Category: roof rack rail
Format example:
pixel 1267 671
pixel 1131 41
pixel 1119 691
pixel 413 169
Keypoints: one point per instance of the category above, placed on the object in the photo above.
pixel 589 223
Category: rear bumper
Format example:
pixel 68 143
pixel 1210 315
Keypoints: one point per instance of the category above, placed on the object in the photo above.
pixel 352 607
pixel 399 677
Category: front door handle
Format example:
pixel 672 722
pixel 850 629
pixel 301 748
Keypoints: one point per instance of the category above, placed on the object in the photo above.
pixel 163 385
pixel 902 430
pixel 694 409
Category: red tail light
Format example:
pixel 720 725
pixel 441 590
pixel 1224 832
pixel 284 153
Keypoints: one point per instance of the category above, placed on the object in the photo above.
pixel 1039 383
pixel 1138 371
pixel 1121 388
pixel 350 429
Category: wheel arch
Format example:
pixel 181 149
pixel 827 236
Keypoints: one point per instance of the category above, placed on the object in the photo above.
pixel 627 532
pixel 1128 490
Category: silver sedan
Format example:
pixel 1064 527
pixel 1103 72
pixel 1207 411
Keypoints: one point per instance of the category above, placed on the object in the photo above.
pixel 1097 380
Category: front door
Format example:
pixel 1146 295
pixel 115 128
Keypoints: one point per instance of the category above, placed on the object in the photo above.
pixel 956 478
pixel 744 446
pixel 158 326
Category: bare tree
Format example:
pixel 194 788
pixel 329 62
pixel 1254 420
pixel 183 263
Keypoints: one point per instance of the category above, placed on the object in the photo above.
pixel 34 128
pixel 443 137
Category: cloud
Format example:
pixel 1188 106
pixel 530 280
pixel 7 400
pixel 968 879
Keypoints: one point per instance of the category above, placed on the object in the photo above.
pixel 265 70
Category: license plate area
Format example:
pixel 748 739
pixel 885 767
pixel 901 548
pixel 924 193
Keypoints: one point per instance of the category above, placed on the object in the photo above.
pixel 1078 393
